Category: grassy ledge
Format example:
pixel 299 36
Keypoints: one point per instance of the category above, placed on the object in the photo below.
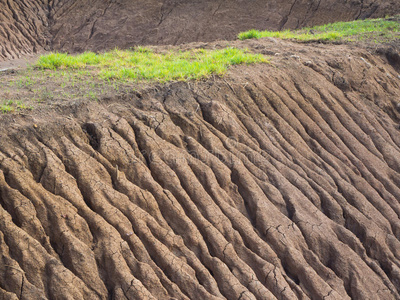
pixel 144 64
pixel 57 78
pixel 379 30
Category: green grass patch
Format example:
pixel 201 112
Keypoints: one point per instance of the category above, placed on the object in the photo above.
pixel 371 29
pixel 145 64
pixel 12 106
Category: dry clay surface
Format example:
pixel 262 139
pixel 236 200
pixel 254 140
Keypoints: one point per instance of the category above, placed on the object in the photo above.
pixel 277 181
pixel 70 25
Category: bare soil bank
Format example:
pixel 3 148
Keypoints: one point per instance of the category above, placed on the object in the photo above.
pixel 278 181
pixel 70 25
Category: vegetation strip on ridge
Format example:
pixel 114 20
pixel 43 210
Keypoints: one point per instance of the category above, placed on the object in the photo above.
pixel 379 29
pixel 145 64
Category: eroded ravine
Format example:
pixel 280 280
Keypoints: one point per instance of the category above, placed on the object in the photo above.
pixel 276 181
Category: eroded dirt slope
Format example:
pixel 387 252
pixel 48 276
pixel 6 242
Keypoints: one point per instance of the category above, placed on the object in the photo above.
pixel 278 181
pixel 125 23
pixel 23 27
pixel 70 25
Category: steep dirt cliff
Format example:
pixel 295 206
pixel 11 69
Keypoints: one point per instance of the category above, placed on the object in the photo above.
pixel 71 25
pixel 277 181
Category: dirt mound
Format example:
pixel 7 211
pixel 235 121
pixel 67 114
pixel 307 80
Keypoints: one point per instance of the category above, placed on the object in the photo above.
pixel 27 27
pixel 278 181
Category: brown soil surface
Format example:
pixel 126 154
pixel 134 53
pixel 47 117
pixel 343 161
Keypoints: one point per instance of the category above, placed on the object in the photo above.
pixel 278 181
pixel 71 25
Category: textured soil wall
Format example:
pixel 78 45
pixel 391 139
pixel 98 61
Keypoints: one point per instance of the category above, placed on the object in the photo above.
pixel 279 181
pixel 23 27
pixel 125 23
pixel 71 25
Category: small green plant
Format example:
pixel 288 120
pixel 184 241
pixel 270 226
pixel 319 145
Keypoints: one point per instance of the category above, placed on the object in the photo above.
pixel 43 94
pixel 11 106
pixel 356 30
pixel 24 82
pixel 251 34
pixel 91 95
pixel 142 49
pixel 22 106
pixel 6 109
pixel 7 106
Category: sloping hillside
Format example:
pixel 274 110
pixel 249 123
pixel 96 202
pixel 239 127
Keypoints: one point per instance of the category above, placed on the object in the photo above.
pixel 278 181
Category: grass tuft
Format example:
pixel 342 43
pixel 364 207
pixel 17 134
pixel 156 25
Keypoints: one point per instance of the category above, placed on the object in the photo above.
pixel 11 106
